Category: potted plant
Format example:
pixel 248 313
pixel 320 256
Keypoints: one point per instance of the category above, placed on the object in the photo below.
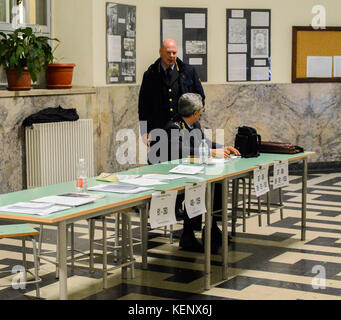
pixel 23 55
pixel 59 75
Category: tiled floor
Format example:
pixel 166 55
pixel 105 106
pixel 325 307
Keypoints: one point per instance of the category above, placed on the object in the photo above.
pixel 267 262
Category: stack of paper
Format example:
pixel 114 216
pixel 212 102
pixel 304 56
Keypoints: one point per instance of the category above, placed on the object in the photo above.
pixel 187 169
pixel 117 188
pixel 71 201
pixel 41 209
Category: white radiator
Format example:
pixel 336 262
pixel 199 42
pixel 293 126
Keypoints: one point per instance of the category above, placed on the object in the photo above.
pixel 54 149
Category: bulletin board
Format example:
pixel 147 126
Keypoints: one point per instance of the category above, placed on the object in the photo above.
pixel 316 54
pixel 121 43
pixel 248 33
pixel 188 27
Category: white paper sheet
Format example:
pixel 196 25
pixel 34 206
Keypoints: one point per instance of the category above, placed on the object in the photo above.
pixel 260 180
pixel 116 188
pixel 237 13
pixel 337 66
pixel 183 169
pixel 162 209
pixel 66 201
pixel 237 48
pixel 121 20
pixel 156 176
pixel 195 20
pixel 172 29
pixel 237 67
pixel 237 30
pixel 195 199
pixel 143 182
pixel 40 209
pixel 114 48
pixel 260 19
pixel 260 73
pixel 281 174
pixel 319 67
pixel 195 61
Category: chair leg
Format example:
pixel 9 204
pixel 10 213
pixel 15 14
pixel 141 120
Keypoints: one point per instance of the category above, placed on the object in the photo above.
pixel 105 250
pixel 91 244
pixel 268 207
pixel 36 264
pixel 280 202
pixel 57 258
pixel 171 234
pixel 24 258
pixel 40 241
pixel 131 247
pixel 249 195
pixel 72 248
pixel 117 236
pixel 244 206
pixel 259 212
pixel 124 245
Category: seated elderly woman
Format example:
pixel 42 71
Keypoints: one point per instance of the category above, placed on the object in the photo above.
pixel 184 137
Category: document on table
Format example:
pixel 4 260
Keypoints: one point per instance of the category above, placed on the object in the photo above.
pixel 162 209
pixel 187 169
pixel 157 176
pixel 40 209
pixel 281 174
pixel 71 201
pixel 195 199
pixel 143 182
pixel 117 188
pixel 260 180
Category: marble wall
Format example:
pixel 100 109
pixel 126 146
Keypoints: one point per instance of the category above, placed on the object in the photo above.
pixel 304 114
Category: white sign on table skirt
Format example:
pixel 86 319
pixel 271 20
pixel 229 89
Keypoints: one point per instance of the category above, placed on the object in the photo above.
pixel 260 180
pixel 281 174
pixel 195 196
pixel 162 209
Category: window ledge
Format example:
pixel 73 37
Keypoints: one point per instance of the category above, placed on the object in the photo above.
pixel 4 93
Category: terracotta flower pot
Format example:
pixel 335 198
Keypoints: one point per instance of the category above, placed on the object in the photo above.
pixel 59 76
pixel 15 83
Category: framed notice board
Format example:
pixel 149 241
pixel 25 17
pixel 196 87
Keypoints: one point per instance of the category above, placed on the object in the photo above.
pixel 188 27
pixel 316 54
pixel 248 44
pixel 121 43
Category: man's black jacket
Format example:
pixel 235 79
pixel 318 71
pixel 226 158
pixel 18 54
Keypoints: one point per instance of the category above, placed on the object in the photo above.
pixel 150 97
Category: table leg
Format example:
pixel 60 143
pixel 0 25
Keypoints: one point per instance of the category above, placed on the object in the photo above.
pixel 304 198
pixel 208 222
pixel 144 235
pixel 224 226
pixel 62 267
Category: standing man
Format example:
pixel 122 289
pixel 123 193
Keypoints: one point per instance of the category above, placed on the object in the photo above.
pixel 162 85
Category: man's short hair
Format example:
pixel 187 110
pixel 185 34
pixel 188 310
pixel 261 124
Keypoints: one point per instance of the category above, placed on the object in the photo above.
pixel 189 103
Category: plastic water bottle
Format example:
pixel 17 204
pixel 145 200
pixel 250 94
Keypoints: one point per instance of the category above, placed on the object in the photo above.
pixel 203 152
pixel 82 176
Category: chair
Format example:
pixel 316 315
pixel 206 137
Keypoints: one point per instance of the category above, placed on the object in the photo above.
pixel 23 231
pixel 123 219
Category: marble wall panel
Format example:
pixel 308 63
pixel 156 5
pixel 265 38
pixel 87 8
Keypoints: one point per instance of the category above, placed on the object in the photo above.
pixel 12 113
pixel 305 114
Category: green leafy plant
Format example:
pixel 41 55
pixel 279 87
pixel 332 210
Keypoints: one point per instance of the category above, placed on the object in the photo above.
pixel 23 48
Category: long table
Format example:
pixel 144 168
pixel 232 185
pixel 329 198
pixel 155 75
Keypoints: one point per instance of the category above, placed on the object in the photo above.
pixel 118 202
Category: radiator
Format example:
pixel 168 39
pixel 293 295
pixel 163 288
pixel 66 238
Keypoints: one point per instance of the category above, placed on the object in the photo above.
pixel 54 149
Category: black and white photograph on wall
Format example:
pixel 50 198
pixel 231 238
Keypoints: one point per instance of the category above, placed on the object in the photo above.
pixel 248 44
pixel 188 27
pixel 121 43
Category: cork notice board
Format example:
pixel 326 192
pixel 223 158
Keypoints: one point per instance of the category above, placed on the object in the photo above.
pixel 316 54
